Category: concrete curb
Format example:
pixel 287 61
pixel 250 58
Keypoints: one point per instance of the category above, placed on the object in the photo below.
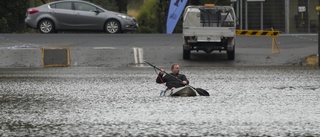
pixel 20 57
pixel 32 57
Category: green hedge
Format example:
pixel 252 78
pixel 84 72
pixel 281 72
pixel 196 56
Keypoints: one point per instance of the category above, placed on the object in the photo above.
pixel 12 15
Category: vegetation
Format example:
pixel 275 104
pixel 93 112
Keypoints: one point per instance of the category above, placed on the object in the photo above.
pixel 12 14
pixel 150 14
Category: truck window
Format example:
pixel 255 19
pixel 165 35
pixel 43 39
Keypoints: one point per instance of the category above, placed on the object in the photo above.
pixel 210 17
pixel 216 18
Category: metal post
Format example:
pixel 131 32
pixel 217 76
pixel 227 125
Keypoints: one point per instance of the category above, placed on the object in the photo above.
pixel 319 35
pixel 261 16
pixel 238 13
pixel 246 14
pixel 287 16
pixel 308 7
pixel 241 18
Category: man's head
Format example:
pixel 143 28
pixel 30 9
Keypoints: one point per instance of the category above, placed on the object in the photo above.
pixel 175 68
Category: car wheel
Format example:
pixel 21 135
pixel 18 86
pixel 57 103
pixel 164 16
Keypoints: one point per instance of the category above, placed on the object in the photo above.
pixel 46 26
pixel 112 26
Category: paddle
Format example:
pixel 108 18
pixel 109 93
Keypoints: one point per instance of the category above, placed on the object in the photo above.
pixel 200 91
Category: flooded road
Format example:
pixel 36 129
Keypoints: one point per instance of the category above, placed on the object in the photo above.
pixel 97 101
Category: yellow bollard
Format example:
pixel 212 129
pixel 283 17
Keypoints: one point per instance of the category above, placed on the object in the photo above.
pixel 274 42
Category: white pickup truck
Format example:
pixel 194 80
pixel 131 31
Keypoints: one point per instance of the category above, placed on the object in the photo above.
pixel 209 28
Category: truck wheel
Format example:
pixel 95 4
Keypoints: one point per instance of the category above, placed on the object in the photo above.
pixel 231 55
pixel 186 54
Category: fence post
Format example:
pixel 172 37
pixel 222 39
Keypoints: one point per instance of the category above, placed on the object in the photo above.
pixel 318 9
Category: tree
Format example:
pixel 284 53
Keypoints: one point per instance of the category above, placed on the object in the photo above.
pixel 216 2
pixel 107 4
pixel 12 14
pixel 194 2
pixel 122 5
pixel 43 1
pixel 148 17
pixel 162 13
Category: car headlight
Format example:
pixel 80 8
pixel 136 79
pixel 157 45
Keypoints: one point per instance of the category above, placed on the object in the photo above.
pixel 124 16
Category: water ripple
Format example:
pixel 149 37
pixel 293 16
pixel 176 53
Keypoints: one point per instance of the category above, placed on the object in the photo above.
pixel 126 102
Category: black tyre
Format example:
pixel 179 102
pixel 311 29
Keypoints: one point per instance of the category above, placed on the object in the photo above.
pixel 231 54
pixel 112 26
pixel 46 26
pixel 186 54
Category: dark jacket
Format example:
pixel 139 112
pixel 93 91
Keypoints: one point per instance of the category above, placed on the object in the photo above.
pixel 172 81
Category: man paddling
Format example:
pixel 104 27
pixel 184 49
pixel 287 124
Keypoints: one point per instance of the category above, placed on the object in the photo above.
pixel 172 81
pixel 178 80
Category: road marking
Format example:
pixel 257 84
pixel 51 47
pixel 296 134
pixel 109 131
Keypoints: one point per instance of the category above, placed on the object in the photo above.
pixel 104 48
pixel 14 48
pixel 21 46
pixel 138 57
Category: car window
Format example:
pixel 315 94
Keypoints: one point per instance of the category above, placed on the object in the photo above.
pixel 84 7
pixel 62 5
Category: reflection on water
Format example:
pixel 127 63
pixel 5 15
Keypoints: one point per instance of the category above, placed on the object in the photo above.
pixel 248 101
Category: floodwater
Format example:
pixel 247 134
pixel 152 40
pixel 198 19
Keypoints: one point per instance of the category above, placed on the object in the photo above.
pixel 89 101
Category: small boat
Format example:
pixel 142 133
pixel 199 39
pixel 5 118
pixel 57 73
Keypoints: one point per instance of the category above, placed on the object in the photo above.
pixel 185 91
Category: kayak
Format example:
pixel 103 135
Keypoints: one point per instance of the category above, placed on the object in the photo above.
pixel 185 91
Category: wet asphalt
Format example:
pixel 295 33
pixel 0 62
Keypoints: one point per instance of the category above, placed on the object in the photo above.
pixel 106 92
pixel 125 101
pixel 122 50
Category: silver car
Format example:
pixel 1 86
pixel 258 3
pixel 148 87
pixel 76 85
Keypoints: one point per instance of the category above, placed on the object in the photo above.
pixel 77 15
